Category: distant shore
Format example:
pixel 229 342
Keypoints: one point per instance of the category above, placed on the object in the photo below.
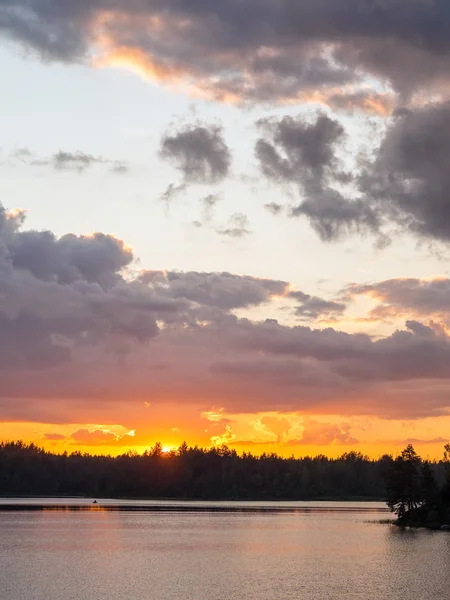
pixel 194 500
pixel 34 504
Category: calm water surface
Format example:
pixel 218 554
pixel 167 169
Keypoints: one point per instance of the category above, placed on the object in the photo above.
pixel 287 551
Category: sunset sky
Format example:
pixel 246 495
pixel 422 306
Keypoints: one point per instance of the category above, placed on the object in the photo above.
pixel 225 222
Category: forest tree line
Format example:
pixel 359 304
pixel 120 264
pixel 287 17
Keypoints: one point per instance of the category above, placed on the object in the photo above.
pixel 197 473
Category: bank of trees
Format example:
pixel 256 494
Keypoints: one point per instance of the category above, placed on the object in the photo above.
pixel 189 472
pixel 416 491
pixel 409 483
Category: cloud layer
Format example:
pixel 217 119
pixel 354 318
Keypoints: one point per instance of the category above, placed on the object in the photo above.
pixel 305 153
pixel 79 333
pixel 270 50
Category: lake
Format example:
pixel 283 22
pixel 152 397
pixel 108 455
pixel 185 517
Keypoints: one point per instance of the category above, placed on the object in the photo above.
pixel 64 550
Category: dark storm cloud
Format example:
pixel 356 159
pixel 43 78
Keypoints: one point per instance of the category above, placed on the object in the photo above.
pixel 200 153
pixel 77 161
pixel 265 50
pixel 305 153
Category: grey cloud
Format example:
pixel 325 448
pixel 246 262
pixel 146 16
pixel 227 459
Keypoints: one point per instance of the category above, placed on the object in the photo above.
pixel 311 307
pixel 208 203
pixel 295 150
pixel 120 167
pixel 238 226
pixel 274 208
pixel 54 32
pixel 172 191
pixel 77 161
pixel 69 161
pixel 200 153
pixel 333 216
pixel 299 296
pixel 410 178
pixel 283 372
pixel 222 290
pixel 98 258
pixel 22 154
pixel 26 342
pixel 415 353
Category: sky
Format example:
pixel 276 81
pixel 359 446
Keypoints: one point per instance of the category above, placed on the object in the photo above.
pixel 225 223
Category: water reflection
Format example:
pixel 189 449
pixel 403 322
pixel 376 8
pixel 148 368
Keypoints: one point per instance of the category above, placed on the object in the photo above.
pixel 113 553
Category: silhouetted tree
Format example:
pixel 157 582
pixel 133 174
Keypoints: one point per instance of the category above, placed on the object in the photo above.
pixel 403 482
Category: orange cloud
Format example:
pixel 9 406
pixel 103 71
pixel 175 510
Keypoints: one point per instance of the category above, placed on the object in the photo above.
pixel 140 62
pixel 174 78
pixel 284 433
pixel 325 434
pixel 95 437
pixel 349 100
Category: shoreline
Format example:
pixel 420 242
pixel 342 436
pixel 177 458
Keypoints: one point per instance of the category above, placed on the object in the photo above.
pixel 192 500
pixel 34 504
